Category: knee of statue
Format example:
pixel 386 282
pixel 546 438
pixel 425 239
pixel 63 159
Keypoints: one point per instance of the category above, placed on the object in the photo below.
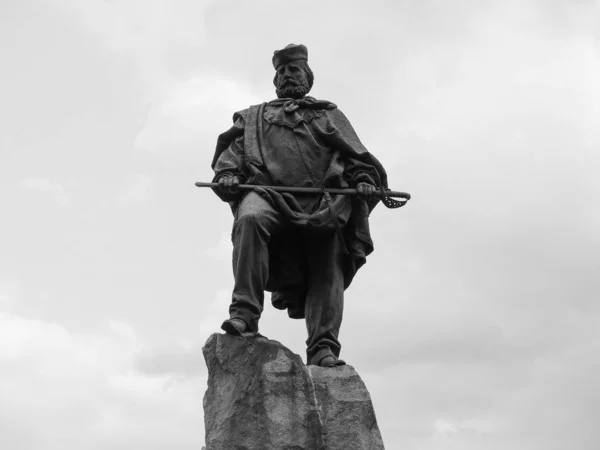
pixel 250 219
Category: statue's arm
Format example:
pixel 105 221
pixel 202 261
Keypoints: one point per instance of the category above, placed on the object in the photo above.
pixel 357 174
pixel 229 159
pixel 361 165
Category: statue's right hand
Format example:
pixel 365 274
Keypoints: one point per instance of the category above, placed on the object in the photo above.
pixel 229 184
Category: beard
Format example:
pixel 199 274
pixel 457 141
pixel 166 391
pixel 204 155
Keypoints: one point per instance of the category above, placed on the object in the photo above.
pixel 288 87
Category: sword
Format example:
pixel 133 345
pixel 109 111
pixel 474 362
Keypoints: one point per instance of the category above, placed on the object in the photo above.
pixel 387 196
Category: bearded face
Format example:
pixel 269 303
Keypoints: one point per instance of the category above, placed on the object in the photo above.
pixel 292 81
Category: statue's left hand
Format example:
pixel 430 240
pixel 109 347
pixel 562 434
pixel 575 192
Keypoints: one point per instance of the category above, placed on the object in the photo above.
pixel 365 190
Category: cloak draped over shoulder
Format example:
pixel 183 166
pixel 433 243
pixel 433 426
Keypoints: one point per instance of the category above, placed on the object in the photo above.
pixel 306 143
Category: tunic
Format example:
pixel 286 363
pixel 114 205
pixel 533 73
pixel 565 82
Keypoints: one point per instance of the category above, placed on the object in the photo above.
pixel 306 143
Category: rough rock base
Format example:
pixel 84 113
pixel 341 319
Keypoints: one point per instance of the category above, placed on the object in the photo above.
pixel 261 396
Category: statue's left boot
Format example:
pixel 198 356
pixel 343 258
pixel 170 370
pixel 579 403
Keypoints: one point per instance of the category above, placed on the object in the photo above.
pixel 234 327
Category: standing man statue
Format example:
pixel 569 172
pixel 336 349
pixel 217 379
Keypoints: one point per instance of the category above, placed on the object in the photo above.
pixel 304 248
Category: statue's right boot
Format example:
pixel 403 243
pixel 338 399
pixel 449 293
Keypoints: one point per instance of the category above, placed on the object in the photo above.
pixel 331 361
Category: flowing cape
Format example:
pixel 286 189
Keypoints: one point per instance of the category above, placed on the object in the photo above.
pixel 349 217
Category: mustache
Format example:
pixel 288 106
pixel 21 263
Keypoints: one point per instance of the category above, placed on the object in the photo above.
pixel 291 82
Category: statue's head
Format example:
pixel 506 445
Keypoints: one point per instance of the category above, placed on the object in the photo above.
pixel 293 77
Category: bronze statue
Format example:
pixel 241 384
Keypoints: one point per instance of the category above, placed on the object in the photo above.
pixel 305 248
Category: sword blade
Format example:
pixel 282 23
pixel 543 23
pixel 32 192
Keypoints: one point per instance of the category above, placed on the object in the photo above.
pixel 309 190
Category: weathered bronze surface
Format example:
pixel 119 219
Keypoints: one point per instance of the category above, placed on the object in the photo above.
pixel 304 248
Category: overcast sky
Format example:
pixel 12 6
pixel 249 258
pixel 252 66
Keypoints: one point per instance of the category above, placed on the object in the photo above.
pixel 475 323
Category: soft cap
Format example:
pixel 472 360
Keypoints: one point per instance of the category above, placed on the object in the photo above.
pixel 291 52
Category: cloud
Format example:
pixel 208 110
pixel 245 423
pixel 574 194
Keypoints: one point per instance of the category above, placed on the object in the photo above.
pixel 175 360
pixel 45 185
pixel 139 185
pixel 215 312
pixel 61 389
pixel 523 392
pixel 185 359
pixel 9 290
pixel 191 112
pixel 471 426
pixel 224 248
pixel 148 29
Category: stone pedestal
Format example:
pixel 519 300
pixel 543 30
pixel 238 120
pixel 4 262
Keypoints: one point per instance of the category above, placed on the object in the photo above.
pixel 261 396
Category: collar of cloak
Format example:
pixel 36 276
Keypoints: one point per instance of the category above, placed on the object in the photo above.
pixel 291 112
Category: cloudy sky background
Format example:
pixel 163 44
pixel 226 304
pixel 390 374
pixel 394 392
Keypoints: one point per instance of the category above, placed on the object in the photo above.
pixel 475 321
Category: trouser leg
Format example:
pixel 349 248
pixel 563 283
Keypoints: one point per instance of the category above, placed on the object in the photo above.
pixel 256 220
pixel 325 296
